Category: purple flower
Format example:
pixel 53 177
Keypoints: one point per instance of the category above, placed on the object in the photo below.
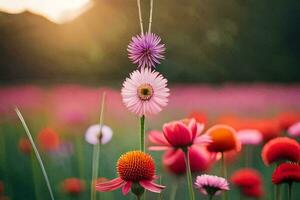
pixel 211 185
pixel 146 50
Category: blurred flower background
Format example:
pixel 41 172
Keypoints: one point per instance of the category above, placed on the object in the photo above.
pixel 230 62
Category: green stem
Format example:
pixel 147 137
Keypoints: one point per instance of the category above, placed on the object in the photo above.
pixel 142 137
pixel 290 190
pixel 34 177
pixel 96 152
pixel 140 16
pixel 36 152
pixel 189 175
pixel 224 174
pixel 277 192
pixel 80 157
pixel 210 197
pixel 174 190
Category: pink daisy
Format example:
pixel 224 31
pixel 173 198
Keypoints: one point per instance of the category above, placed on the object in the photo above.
pixel 211 185
pixel 145 92
pixel 146 50
pixel 250 136
pixel 294 130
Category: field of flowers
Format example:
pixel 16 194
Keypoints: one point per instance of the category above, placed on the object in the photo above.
pixel 60 119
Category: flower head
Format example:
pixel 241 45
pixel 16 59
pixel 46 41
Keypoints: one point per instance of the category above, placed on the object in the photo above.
pixel 146 50
pixel 145 92
pixel 200 160
pixel 281 148
pixel 224 139
pixel 179 134
pixel 96 133
pixel 211 185
pixel 246 178
pixel 250 136
pixel 48 139
pixel 294 130
pixel 286 173
pixel 73 186
pixel 25 146
pixel 134 168
pixel 249 181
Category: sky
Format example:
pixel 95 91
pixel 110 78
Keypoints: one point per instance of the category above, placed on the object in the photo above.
pixel 57 11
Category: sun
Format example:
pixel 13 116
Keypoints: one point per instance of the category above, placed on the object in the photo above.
pixel 57 11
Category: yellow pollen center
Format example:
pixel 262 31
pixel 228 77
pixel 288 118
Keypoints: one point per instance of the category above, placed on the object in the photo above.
pixel 136 166
pixel 145 91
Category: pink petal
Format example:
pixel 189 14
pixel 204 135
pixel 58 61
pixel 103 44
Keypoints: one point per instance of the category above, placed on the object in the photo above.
pixel 202 139
pixel 177 134
pixel 110 185
pixel 192 125
pixel 126 188
pixel 158 138
pixel 151 186
pixel 159 148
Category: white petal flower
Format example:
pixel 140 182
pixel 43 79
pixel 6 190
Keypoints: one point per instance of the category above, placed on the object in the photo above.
pixel 93 135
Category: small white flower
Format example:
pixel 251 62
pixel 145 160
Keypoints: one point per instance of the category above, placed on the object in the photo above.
pixel 93 135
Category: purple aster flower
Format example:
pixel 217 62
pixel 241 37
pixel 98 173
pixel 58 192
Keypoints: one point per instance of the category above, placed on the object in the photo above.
pixel 146 50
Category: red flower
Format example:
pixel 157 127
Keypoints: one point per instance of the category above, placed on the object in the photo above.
pixel 199 117
pixel 255 192
pixel 246 178
pixel 282 148
pixel 224 139
pixel 48 139
pixel 286 119
pixel 286 173
pixel 73 186
pixel 200 160
pixel 249 181
pixel 25 146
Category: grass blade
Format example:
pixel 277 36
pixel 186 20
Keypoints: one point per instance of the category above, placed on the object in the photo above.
pixel 35 151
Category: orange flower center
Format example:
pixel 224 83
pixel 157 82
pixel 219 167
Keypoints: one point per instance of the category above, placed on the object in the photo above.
pixel 136 166
pixel 145 91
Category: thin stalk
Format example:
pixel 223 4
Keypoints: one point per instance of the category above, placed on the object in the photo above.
pixel 210 197
pixel 290 190
pixel 36 152
pixel 96 152
pixel 140 16
pixel 277 192
pixel 142 136
pixel 174 190
pixel 150 17
pixel 224 174
pixel 189 175
pixel 35 178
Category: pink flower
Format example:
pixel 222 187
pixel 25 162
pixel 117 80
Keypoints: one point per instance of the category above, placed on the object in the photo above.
pixel 136 169
pixel 250 136
pixel 146 50
pixel 211 185
pixel 200 160
pixel 145 92
pixel 294 130
pixel 179 134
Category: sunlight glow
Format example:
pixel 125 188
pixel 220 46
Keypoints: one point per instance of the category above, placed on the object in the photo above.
pixel 57 11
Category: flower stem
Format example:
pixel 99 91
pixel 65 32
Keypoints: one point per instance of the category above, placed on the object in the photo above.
pixel 277 192
pixel 36 152
pixel 224 174
pixel 150 18
pixel 140 15
pixel 210 197
pixel 174 190
pixel 189 175
pixel 290 190
pixel 96 152
pixel 142 136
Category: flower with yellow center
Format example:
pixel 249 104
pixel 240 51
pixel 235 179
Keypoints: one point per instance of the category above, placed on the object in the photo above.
pixel 136 169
